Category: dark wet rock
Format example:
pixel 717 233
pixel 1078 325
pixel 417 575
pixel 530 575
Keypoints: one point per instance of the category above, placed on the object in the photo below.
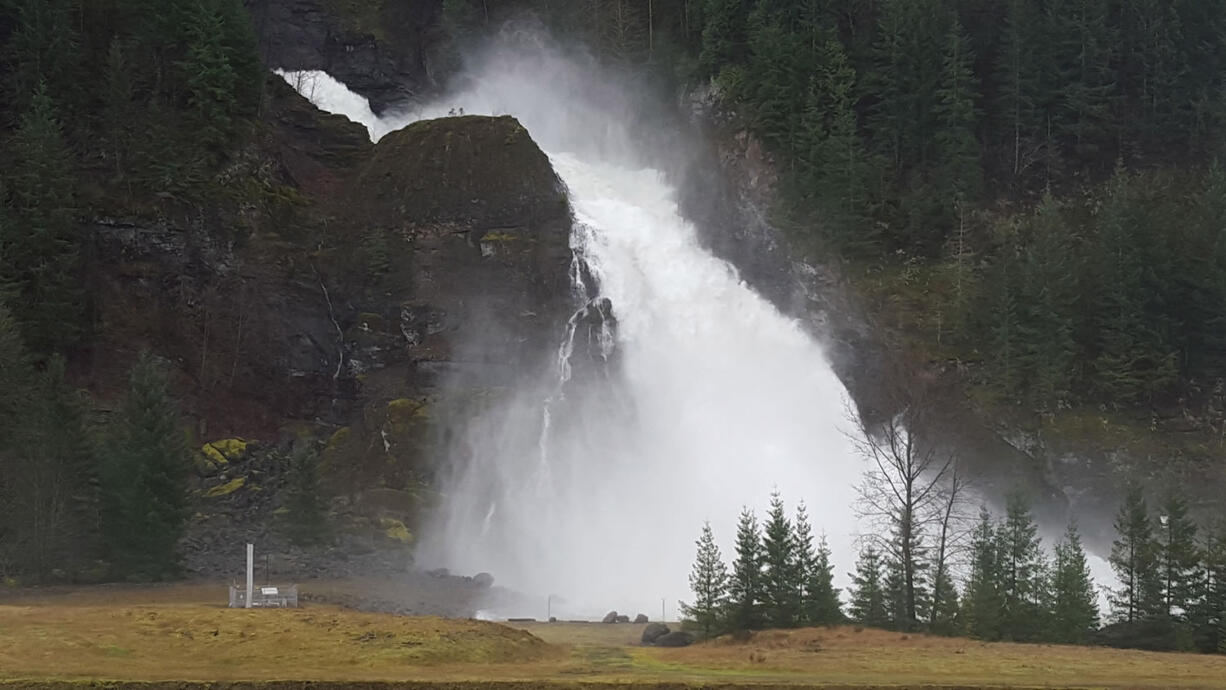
pixel 676 638
pixel 453 170
pixel 653 632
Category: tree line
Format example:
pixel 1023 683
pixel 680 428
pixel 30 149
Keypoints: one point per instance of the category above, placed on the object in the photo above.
pixel 81 501
pixel 111 106
pixel 1171 593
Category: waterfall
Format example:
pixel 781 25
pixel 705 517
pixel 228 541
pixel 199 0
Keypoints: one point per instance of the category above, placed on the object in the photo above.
pixel 593 489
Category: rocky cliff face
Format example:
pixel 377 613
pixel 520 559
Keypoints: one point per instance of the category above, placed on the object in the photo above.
pixel 337 290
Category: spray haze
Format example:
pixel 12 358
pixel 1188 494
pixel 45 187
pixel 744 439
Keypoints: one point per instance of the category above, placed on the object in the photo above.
pixel 592 485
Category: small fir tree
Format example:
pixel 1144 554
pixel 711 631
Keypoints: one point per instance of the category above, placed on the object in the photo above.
pixel 745 586
pixel 709 582
pixel 826 607
pixel 1074 611
pixel 868 605
pixel 781 581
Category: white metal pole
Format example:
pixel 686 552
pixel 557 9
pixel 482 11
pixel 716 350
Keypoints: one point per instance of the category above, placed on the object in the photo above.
pixel 250 573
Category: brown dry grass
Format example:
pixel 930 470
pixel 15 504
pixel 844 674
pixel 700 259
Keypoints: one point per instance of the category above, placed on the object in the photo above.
pixel 105 633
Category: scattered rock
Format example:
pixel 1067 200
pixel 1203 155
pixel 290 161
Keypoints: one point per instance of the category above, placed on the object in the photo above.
pixel 641 618
pixel 622 619
pixel 677 638
pixel 483 580
pixel 653 632
pixel 439 572
pixel 610 617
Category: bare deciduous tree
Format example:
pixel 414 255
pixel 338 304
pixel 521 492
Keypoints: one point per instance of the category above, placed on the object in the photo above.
pixel 910 492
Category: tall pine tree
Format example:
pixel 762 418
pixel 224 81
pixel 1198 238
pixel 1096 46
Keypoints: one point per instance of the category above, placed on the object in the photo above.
pixel 1134 559
pixel 782 570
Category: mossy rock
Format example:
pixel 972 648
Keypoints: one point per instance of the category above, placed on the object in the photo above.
pixel 482 172
pixel 226 451
pixel 404 411
pixel 396 530
pixel 227 488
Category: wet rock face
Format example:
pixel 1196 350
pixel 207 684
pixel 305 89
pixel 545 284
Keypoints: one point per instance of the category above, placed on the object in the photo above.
pixel 380 48
pixel 485 173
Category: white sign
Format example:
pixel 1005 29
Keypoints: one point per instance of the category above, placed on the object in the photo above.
pixel 268 591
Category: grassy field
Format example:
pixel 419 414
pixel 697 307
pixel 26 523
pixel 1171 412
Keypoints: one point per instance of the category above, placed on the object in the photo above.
pixel 182 634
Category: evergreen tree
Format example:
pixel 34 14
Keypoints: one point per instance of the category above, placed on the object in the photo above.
pixel 837 166
pixel 40 248
pixel 210 80
pixel 1135 561
pixel 746 586
pixel 806 562
pixel 945 608
pixel 1178 557
pixel 43 50
pixel 1022 93
pixel 1084 42
pixel 1021 571
pixel 984 602
pixel 825 607
pixel 781 576
pixel 724 37
pixel 709 582
pixel 145 468
pixel 14 380
pixel 868 605
pixel 1045 348
pixel 307 518
pixel 1209 613
pixel 55 486
pixel 118 107
pixel 14 400
pixel 1074 613
pixel 958 166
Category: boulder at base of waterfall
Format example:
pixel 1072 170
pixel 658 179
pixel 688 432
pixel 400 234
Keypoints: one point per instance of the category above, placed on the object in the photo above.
pixel 610 617
pixel 653 632
pixel 677 638
pixel 641 618
pixel 483 580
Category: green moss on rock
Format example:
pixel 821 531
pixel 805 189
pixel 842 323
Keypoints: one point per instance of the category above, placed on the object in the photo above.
pixel 227 488
pixel 395 530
